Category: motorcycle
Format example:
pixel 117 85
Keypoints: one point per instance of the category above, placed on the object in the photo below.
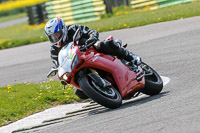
pixel 104 78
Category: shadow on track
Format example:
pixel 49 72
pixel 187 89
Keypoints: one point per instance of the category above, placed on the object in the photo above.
pixel 130 103
pixel 143 99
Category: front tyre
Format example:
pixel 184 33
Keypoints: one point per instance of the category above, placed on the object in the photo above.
pixel 108 97
pixel 153 83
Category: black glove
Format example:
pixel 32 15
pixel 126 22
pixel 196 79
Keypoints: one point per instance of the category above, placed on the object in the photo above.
pixel 82 48
pixel 91 41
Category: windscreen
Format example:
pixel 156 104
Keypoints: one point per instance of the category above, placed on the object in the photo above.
pixel 65 59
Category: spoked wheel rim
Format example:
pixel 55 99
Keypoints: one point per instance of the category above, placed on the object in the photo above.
pixel 108 92
pixel 109 98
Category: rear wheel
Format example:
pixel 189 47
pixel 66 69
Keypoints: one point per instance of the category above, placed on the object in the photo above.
pixel 108 97
pixel 153 83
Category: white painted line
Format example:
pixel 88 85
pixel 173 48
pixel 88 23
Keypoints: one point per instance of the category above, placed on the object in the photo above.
pixel 166 80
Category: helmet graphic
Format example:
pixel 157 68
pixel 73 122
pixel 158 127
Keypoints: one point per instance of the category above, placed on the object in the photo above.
pixel 56 31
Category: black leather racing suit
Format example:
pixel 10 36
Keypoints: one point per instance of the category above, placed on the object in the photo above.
pixel 107 47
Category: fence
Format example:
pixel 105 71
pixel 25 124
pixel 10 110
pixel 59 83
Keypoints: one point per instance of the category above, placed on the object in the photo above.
pixel 154 4
pixel 116 3
pixel 75 11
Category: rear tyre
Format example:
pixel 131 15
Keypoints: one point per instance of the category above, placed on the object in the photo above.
pixel 153 83
pixel 108 97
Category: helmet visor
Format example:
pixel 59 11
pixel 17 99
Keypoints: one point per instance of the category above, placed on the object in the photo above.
pixel 56 37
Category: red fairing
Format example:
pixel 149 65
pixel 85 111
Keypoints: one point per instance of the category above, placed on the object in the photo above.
pixel 123 76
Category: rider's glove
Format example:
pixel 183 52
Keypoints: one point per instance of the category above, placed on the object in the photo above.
pixel 91 41
pixel 88 43
pixel 82 48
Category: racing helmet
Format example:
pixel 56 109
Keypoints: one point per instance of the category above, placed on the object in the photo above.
pixel 55 30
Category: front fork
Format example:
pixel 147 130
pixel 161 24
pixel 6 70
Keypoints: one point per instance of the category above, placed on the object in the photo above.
pixel 100 81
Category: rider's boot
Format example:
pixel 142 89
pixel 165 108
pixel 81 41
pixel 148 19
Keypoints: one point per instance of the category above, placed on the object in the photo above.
pixel 114 47
pixel 136 60
pixel 127 55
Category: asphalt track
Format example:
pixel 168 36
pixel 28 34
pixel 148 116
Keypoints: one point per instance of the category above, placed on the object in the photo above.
pixel 171 48
pixel 12 22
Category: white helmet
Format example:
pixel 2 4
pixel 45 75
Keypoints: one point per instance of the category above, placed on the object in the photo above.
pixel 55 30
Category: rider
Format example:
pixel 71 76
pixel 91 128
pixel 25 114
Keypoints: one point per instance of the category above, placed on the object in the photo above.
pixel 59 35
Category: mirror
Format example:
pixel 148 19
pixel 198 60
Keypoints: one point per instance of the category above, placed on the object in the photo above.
pixel 77 36
pixel 52 72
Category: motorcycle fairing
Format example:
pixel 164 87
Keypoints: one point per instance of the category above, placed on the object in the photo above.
pixel 123 76
pixel 65 59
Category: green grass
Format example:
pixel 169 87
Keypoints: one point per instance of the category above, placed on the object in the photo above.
pixel 135 19
pixel 25 99
pixel 12 12
pixel 21 34
pixel 12 17
pixel 126 17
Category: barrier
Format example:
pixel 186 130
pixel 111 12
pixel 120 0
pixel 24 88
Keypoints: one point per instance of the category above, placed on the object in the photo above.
pixel 36 14
pixel 154 4
pixel 75 11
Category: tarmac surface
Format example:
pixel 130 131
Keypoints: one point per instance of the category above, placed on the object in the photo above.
pixel 171 48
pixel 13 22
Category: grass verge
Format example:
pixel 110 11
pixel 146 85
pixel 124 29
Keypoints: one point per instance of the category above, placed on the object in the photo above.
pixel 21 100
pixel 23 34
pixel 12 17
pixel 129 18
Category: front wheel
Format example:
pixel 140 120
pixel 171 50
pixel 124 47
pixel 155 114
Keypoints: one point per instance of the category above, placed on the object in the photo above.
pixel 153 83
pixel 108 97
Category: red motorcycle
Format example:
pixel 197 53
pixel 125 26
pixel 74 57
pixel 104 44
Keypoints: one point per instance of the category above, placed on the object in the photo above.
pixel 104 78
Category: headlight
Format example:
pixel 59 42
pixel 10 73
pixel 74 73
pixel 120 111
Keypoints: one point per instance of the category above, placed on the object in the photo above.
pixel 65 76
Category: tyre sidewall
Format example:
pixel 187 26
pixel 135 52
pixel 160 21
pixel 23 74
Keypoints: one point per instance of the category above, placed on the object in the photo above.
pixel 98 97
pixel 153 88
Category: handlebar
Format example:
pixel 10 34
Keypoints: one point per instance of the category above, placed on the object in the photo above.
pixel 84 47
